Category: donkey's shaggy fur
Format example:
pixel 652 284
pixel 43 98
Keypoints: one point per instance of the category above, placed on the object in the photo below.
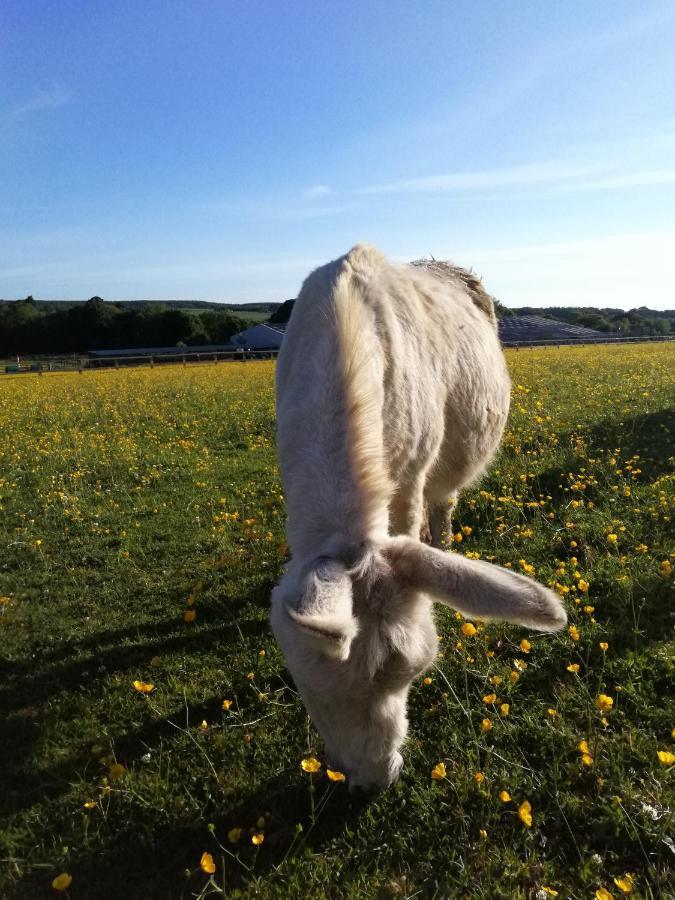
pixel 392 395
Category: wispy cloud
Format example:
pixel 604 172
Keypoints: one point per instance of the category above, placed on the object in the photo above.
pixel 536 173
pixel 50 97
pixel 317 191
pixel 559 175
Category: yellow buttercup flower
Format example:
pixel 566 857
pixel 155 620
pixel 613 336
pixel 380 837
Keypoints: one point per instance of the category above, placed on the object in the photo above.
pixel 574 632
pixel 258 838
pixel 310 764
pixel 479 777
pixel 504 796
pixel 468 629
pixel 504 709
pixel 525 813
pixel 603 646
pixel 143 687
pixel 525 646
pixel 335 776
pixel 207 864
pixel 227 704
pixel 625 884
pixel 666 757
pixel 602 701
pixel 438 771
pixel 485 725
pixel 489 698
pixel 602 894
pixel 62 882
pixel 573 667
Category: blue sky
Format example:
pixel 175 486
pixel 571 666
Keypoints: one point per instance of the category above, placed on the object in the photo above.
pixel 220 150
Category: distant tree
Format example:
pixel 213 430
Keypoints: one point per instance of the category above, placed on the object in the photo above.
pixel 283 314
pixel 661 326
pixel 501 311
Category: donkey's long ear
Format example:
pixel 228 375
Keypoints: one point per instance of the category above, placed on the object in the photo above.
pixel 475 588
pixel 322 612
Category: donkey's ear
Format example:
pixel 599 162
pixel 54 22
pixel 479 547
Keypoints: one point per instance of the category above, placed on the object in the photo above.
pixel 323 612
pixel 474 587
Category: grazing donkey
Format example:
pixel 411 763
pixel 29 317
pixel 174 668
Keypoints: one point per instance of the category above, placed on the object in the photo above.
pixel 392 394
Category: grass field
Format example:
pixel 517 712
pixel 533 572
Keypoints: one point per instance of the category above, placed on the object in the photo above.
pixel 132 499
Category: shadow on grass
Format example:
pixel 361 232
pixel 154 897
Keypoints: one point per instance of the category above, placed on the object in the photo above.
pixel 28 687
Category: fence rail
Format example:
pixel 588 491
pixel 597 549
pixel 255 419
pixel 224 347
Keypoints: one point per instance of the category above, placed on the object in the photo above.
pixel 581 342
pixel 86 363
pixel 82 363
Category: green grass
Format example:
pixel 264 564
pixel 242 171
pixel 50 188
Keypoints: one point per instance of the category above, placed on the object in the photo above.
pixel 127 495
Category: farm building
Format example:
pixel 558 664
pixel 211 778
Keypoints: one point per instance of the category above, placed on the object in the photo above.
pixel 522 329
pixel 260 337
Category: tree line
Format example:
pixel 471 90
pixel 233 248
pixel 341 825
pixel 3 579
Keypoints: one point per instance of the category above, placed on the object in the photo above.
pixel 634 323
pixel 29 327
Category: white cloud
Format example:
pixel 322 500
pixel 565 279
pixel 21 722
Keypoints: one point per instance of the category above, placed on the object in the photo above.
pixel 44 98
pixel 317 191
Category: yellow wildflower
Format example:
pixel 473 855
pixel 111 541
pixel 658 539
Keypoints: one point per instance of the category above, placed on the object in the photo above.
pixel 625 884
pixel 603 646
pixel 189 615
pixel 479 777
pixel 468 629
pixel 602 701
pixel 666 757
pixel 575 634
pixel 489 698
pixel 310 764
pixel 62 882
pixel 257 838
pixel 504 796
pixel 143 687
pixel 485 725
pixel 227 704
pixel 504 709
pixel 438 772
pixel 525 646
pixel 335 776
pixel 525 813
pixel 573 667
pixel 207 864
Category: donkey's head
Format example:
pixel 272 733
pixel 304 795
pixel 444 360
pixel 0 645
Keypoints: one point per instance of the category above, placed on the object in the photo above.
pixel 355 638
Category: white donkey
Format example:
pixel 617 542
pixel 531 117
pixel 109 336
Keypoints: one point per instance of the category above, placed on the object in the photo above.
pixel 392 394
